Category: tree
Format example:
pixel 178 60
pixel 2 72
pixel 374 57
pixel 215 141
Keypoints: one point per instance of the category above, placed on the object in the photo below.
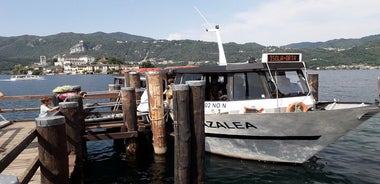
pixel 19 70
pixel 146 64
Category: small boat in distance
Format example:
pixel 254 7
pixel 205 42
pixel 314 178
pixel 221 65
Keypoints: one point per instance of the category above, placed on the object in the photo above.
pixel 26 77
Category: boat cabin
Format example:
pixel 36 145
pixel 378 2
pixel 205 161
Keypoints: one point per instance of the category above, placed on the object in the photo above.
pixel 278 76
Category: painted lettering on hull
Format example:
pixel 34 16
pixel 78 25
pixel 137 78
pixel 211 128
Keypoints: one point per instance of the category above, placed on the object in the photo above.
pixel 212 105
pixel 229 125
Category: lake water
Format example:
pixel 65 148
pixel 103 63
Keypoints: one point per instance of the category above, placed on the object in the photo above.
pixel 354 158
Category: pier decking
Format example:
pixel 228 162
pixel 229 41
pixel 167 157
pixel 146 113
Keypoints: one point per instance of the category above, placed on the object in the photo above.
pixel 10 137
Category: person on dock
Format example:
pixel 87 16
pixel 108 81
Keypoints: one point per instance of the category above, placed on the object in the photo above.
pixel 169 93
pixel 45 109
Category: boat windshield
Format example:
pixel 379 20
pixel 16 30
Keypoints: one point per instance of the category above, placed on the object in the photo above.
pixel 287 83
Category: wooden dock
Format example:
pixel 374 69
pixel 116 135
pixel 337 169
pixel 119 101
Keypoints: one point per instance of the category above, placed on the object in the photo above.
pixel 34 150
pixel 10 137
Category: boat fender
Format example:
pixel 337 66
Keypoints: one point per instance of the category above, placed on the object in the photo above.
pixel 252 109
pixel 297 107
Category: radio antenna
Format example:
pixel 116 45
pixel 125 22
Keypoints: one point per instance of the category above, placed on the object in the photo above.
pixel 204 18
pixel 222 56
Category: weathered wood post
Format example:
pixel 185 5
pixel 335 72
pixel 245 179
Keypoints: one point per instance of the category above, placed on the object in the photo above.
pixel 135 83
pixel 76 146
pixel 182 134
pixel 134 80
pixel 129 115
pixel 313 82
pixel 378 85
pixel 52 149
pixel 197 121
pixel 126 79
pixel 118 144
pixel 113 87
pixel 156 111
pixel 80 116
pixel 73 128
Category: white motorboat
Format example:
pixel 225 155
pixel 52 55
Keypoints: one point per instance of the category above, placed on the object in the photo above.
pixel 265 110
pixel 26 77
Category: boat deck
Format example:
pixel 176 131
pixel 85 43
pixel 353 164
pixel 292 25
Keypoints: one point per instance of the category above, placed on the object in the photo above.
pixel 11 136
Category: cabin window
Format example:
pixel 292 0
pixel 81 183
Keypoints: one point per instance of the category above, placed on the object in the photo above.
pixel 248 86
pixel 216 87
pixel 288 83
pixel 240 86
pixel 189 77
pixel 255 86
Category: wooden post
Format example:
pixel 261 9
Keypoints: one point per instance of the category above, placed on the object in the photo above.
pixel 313 82
pixel 378 85
pixel 197 121
pixel 80 115
pixel 113 87
pixel 126 79
pixel 52 149
pixel 135 83
pixel 156 111
pixel 73 128
pixel 134 80
pixel 182 134
pixel 76 146
pixel 118 144
pixel 81 152
pixel 129 115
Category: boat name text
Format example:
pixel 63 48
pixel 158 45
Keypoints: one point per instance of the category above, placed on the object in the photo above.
pixel 229 125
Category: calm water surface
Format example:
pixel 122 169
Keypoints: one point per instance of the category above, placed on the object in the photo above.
pixel 354 158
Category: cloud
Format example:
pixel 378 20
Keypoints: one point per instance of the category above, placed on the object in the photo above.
pixel 280 22
pixel 175 36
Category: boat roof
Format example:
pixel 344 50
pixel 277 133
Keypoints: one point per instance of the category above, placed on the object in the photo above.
pixel 241 67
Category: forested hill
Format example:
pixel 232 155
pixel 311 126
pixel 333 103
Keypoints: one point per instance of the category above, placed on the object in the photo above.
pixel 27 49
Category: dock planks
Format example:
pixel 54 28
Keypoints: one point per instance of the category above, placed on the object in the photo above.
pixel 11 136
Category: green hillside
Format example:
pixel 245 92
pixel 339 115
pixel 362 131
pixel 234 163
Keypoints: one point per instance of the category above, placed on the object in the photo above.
pixel 27 49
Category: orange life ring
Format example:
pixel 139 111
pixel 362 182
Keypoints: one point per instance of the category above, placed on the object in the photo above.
pixel 297 107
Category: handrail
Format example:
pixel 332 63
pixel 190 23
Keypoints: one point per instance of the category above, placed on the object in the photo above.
pixel 24 97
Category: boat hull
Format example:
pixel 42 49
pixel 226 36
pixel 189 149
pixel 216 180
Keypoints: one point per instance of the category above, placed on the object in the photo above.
pixel 280 137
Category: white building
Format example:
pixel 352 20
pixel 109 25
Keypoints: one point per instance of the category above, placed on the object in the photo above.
pixel 43 60
pixel 70 63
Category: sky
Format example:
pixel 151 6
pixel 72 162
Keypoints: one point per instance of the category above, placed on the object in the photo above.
pixel 266 22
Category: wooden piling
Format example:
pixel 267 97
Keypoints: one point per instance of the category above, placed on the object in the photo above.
pixel 73 130
pixel 197 121
pixel 314 83
pixel 113 87
pixel 156 111
pixel 182 134
pixel 52 149
pixel 76 146
pixel 79 123
pixel 135 82
pixel 378 85
pixel 129 115
pixel 126 79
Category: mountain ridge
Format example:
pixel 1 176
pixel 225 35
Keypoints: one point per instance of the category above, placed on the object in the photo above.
pixel 27 49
